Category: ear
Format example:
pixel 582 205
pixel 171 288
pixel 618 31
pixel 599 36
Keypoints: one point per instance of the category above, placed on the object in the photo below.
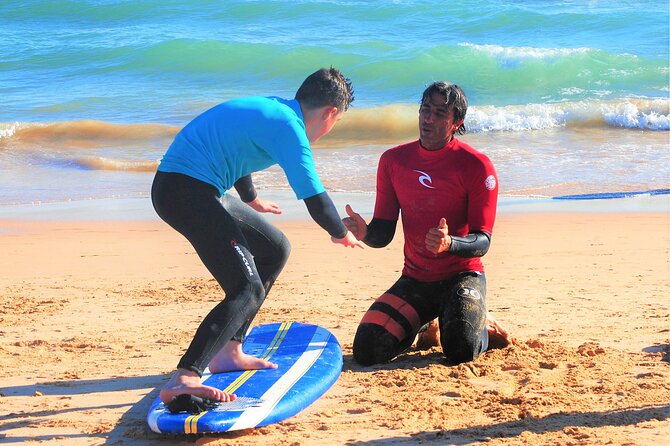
pixel 329 112
pixel 457 125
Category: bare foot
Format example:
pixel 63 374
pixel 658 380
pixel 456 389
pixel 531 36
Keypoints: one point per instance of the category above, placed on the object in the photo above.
pixel 430 337
pixel 498 336
pixel 231 357
pixel 185 381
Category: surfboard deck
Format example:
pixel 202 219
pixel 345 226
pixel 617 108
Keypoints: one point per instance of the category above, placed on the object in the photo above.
pixel 309 360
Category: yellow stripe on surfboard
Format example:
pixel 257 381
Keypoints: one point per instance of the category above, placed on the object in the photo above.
pixel 191 422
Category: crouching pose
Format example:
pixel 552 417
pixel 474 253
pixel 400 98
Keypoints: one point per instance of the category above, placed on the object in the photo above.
pixel 243 251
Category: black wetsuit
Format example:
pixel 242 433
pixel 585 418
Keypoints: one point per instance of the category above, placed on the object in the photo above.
pixel 242 250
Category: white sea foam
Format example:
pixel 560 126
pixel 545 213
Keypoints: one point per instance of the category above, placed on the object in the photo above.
pixel 633 113
pixel 630 116
pixel 512 53
pixel 7 129
pixel 513 118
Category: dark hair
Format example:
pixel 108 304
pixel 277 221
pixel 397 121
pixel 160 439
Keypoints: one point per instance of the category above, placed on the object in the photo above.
pixel 455 100
pixel 327 86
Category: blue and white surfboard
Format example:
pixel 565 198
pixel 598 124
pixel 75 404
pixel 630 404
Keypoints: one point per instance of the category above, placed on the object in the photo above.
pixel 309 360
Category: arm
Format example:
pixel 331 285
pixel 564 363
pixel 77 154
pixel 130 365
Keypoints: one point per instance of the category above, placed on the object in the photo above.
pixel 245 188
pixel 380 232
pixel 474 244
pixel 377 234
pixel 247 192
pixel 323 212
pixel 482 205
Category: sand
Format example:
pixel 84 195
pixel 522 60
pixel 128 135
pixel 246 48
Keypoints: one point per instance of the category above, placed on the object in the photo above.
pixel 94 316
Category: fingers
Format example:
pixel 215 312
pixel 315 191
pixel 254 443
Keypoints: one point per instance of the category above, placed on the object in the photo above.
pixel 349 241
pixel 436 238
pixel 355 223
pixel 354 215
pixel 349 223
pixel 272 207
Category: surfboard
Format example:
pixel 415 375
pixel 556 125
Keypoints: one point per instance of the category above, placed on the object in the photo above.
pixel 309 360
pixel 610 195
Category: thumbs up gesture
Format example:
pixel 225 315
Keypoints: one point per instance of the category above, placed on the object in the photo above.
pixel 438 239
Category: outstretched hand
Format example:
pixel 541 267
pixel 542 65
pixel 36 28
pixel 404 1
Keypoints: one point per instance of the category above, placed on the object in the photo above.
pixel 438 239
pixel 355 223
pixel 260 205
pixel 349 240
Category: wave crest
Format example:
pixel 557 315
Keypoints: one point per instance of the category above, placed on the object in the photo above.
pixel 82 133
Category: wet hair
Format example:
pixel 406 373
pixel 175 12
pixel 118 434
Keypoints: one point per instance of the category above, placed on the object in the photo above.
pixel 324 87
pixel 455 100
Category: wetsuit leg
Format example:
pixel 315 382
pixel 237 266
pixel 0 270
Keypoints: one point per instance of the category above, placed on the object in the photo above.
pixel 267 243
pixel 463 332
pixel 390 325
pixel 193 208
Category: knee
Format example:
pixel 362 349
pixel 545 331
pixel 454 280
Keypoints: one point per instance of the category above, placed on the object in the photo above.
pixel 284 250
pixel 257 291
pixel 273 257
pixel 461 342
pixel 252 294
pixel 373 345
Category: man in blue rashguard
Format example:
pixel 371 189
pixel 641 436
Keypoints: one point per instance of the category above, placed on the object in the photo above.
pixel 218 150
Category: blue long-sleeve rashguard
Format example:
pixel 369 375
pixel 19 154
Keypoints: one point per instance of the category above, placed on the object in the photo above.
pixel 242 136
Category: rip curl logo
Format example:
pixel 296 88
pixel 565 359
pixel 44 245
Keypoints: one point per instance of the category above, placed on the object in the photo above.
pixel 425 179
pixel 470 293
pixel 233 243
pixel 490 182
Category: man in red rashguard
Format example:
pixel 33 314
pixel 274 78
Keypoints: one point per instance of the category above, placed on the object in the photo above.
pixel 446 193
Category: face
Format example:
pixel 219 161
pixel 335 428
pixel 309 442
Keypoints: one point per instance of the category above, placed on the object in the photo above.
pixel 436 123
pixel 326 120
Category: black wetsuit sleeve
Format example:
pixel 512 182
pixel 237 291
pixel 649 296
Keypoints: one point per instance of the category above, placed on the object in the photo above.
pixel 475 244
pixel 323 212
pixel 380 232
pixel 245 188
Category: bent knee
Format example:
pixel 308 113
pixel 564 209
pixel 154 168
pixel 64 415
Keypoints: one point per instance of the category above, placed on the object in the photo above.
pixel 285 248
pixel 461 342
pixel 374 345
pixel 257 291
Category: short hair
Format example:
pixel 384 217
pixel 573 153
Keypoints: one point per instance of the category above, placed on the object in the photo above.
pixel 324 87
pixel 455 100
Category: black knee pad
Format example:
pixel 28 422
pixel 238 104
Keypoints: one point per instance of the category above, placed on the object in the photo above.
pixel 374 345
pixel 461 342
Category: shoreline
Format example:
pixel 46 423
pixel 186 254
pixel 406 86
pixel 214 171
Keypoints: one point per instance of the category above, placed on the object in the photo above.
pixel 140 208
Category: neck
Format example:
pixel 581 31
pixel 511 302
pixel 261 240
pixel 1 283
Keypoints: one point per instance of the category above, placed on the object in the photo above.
pixel 438 147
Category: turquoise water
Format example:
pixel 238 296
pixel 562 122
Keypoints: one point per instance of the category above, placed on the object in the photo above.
pixel 565 96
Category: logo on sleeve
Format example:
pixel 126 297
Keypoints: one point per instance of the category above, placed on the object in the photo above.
pixel 425 179
pixel 490 182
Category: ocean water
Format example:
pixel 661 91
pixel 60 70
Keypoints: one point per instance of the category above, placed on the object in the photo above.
pixel 566 97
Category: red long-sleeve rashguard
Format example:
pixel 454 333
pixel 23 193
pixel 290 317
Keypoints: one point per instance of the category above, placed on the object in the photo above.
pixel 456 182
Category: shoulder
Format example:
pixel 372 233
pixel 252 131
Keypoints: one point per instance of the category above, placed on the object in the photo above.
pixel 471 155
pixel 401 152
pixel 269 107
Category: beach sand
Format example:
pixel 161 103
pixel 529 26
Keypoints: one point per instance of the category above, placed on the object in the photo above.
pixel 95 315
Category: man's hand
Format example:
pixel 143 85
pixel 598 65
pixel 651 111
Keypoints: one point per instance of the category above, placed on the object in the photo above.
pixel 260 205
pixel 355 223
pixel 438 239
pixel 349 240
